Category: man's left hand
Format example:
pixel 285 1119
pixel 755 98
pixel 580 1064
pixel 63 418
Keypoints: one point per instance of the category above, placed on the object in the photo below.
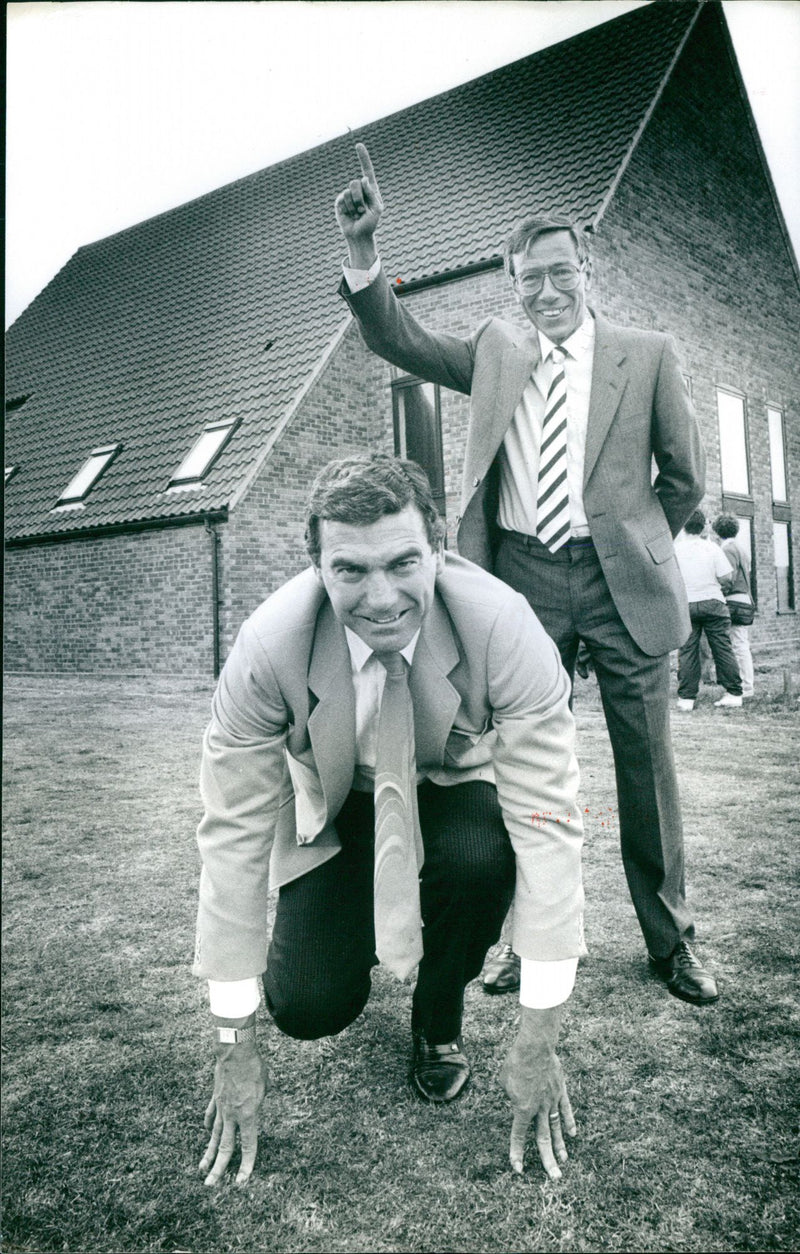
pixel 533 1079
pixel 239 1086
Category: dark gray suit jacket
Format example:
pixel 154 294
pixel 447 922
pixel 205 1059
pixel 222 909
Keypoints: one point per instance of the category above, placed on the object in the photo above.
pixel 639 411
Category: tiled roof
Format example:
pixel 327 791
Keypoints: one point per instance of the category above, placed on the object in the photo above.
pixel 147 335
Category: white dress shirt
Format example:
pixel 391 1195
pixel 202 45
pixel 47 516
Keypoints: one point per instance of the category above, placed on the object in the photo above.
pixel 518 455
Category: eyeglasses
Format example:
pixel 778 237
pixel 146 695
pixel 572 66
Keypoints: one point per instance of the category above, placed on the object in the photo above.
pixel 564 276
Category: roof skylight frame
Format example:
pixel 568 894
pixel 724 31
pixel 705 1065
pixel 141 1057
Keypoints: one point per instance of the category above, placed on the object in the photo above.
pixel 204 453
pixel 82 483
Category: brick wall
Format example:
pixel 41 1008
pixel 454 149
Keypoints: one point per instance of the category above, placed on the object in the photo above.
pixel 691 244
pixel 692 216
pixel 127 604
pixel 262 545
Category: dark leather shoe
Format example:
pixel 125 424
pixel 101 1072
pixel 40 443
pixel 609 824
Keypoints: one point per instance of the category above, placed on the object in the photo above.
pixel 439 1072
pixel 684 976
pixel 501 974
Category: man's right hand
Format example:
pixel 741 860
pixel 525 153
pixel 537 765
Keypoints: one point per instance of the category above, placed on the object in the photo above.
pixel 358 212
pixel 239 1086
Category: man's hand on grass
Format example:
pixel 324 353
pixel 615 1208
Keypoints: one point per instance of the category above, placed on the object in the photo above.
pixel 533 1079
pixel 239 1086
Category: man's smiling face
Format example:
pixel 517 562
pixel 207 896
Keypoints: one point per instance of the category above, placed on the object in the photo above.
pixel 380 577
pixel 553 312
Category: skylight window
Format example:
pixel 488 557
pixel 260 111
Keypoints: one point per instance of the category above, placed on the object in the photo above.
pixel 81 485
pixel 201 457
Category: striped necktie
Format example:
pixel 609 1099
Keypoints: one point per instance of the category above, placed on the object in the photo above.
pixel 398 839
pixel 552 495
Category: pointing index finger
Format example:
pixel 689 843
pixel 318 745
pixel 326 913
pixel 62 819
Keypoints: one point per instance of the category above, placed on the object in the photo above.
pixel 367 168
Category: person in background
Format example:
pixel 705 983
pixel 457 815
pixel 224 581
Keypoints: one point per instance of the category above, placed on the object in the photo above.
pixel 708 575
pixel 740 597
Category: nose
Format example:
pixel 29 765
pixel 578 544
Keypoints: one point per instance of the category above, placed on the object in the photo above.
pixel 380 591
pixel 548 287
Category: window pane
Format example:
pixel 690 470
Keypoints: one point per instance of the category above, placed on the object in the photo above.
pixel 776 455
pixel 419 437
pixel 745 537
pixel 78 487
pixel 732 443
pixel 197 461
pixel 783 565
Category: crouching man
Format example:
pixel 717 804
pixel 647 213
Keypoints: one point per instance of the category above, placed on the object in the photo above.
pixel 391 747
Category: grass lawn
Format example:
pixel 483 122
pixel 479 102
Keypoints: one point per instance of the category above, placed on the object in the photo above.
pixel 688 1118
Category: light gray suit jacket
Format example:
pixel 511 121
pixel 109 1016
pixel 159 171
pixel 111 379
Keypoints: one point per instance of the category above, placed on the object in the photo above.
pixel 490 701
pixel 639 410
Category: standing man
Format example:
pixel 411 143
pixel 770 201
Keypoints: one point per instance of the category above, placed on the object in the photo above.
pixel 391 746
pixel 558 501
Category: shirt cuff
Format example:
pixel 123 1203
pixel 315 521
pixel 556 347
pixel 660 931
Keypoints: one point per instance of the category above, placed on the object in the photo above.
pixel 233 999
pixel 546 984
pixel 357 280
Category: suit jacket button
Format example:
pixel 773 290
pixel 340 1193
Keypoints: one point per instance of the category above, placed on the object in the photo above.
pixel 475 482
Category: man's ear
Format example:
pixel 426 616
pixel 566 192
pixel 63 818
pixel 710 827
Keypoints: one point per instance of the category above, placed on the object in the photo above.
pixel 318 573
pixel 587 270
pixel 439 555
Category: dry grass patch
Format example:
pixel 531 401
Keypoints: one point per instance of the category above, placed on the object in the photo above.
pixel 687 1117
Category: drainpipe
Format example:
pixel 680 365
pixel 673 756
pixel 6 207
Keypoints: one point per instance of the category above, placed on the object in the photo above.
pixel 215 597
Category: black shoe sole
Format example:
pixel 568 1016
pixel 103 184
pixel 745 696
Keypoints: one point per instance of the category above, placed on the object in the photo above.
pixel 693 1001
pixel 494 991
pixel 438 1101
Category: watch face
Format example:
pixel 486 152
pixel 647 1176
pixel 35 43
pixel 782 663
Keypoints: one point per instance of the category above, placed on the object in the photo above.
pixel 227 1036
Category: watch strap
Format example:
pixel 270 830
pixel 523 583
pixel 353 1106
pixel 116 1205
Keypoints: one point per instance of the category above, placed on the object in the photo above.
pixel 236 1036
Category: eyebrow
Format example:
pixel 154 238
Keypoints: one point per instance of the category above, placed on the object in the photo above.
pixel 339 562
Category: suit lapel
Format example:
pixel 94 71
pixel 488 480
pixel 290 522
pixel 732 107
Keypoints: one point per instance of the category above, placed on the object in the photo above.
pixel 435 699
pixel 515 365
pixel 332 722
pixel 608 384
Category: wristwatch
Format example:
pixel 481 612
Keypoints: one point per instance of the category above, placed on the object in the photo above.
pixel 236 1036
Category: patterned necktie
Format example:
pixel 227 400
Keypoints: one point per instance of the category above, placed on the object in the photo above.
pixel 552 495
pixel 398 840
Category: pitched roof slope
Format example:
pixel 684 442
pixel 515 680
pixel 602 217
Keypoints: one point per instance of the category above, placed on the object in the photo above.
pixel 222 307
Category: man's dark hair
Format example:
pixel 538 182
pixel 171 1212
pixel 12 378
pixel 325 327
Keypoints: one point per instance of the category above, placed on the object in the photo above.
pixel 529 229
pixel 695 523
pixel 361 489
pixel 726 526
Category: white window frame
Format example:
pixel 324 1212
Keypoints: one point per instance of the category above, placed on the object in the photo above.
pixel 784 593
pixel 81 484
pixel 203 453
pixel 731 408
pixel 777 455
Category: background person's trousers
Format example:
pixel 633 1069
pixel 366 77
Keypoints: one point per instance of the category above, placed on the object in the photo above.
pixel 712 618
pixel 323 942
pixel 740 643
pixel 568 592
